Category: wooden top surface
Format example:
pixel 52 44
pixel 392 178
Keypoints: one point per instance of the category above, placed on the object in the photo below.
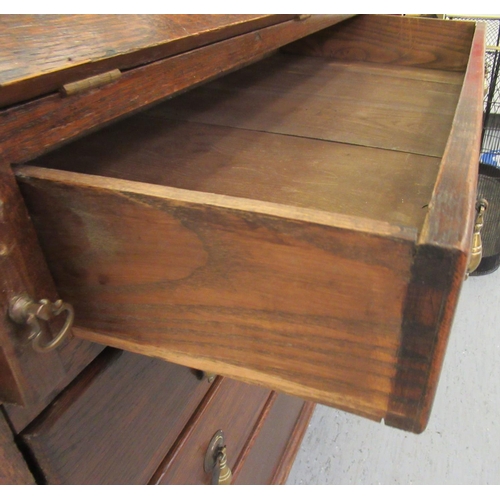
pixel 39 53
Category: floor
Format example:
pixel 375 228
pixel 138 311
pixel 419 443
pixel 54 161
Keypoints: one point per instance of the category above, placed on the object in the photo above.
pixel 461 444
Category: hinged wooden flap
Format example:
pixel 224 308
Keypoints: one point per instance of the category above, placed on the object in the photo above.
pixel 81 46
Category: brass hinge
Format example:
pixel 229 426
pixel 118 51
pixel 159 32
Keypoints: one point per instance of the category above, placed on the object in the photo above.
pixel 90 83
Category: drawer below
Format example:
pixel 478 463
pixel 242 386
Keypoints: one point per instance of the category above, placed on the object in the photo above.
pixel 230 406
pixel 116 422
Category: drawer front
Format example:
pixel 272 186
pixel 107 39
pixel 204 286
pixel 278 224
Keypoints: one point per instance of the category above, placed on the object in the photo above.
pixel 116 422
pixel 190 49
pixel 74 357
pixel 230 406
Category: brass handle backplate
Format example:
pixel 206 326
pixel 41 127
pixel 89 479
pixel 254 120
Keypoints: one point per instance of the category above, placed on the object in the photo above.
pixel 24 310
pixel 476 253
pixel 216 460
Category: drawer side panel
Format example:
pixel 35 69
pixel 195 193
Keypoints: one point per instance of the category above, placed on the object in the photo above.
pixel 300 306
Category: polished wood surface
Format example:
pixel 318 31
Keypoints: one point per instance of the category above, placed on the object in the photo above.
pixel 30 127
pixel 40 53
pixel 74 357
pixel 302 224
pixel 13 468
pixel 230 406
pixel 33 127
pixel 116 422
pixel 207 262
pixel 282 471
pixel 241 245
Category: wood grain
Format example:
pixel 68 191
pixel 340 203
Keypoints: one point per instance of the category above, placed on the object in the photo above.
pixel 321 99
pixel 232 286
pixel 451 211
pixel 32 128
pixel 395 40
pixel 232 407
pixel 338 178
pixel 13 468
pixel 116 422
pixel 40 53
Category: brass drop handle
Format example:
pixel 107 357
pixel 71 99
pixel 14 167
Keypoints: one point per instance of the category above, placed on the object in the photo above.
pixel 216 460
pixel 24 310
pixel 477 244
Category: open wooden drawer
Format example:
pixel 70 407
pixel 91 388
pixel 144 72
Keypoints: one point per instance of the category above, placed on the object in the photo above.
pixel 303 223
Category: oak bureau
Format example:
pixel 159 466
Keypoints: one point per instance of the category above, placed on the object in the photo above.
pixel 208 220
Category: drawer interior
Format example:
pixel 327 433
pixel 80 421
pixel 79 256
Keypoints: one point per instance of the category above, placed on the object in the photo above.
pixel 262 226
pixel 353 138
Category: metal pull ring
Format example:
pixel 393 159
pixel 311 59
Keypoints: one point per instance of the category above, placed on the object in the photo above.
pixel 216 460
pixel 24 310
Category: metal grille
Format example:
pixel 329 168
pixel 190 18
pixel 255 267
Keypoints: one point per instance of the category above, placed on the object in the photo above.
pixel 489 166
pixel 490 143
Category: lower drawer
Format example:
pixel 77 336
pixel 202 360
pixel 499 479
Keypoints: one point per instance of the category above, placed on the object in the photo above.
pixel 230 406
pixel 116 422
